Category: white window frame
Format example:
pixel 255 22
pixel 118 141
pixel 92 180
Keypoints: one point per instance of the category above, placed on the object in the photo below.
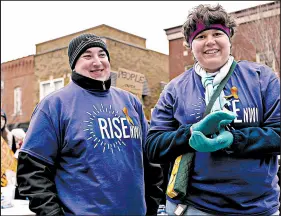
pixel 52 85
pixel 17 101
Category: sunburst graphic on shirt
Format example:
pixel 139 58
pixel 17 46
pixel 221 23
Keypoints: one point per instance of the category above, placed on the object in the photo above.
pixel 104 123
pixel 197 108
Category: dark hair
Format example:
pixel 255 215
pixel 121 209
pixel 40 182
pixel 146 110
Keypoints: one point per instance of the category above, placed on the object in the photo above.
pixel 209 15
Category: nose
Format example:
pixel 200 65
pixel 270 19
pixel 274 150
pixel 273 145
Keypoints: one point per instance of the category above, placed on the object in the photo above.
pixel 96 62
pixel 210 40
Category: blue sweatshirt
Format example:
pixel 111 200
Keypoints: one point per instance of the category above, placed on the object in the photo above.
pixel 95 140
pixel 242 180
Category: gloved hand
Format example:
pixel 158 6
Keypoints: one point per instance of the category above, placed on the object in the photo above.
pixel 213 122
pixel 201 143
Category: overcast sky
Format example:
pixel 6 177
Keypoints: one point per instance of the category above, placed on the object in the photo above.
pixel 25 24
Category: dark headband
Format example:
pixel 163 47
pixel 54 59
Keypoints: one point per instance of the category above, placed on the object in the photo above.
pixel 200 27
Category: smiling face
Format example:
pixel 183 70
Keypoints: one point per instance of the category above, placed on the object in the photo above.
pixel 211 48
pixel 93 63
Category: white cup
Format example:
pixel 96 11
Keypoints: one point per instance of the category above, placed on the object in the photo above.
pixel 7 196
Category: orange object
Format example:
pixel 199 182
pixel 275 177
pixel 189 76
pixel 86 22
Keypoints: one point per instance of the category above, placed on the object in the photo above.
pixel 125 111
pixel 234 93
pixel 8 161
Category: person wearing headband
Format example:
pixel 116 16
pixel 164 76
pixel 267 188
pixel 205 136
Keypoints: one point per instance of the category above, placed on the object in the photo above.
pixel 83 151
pixel 235 146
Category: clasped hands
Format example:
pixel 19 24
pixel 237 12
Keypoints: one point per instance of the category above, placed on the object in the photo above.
pixel 213 124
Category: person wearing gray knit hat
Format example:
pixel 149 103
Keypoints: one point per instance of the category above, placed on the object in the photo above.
pixel 85 144
pixel 88 56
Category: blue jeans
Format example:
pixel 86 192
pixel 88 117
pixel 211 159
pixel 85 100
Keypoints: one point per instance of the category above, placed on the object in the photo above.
pixel 170 208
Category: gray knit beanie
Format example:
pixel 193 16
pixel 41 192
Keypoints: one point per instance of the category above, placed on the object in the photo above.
pixel 81 43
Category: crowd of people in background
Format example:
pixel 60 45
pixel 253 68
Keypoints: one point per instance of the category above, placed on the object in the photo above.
pixel 14 139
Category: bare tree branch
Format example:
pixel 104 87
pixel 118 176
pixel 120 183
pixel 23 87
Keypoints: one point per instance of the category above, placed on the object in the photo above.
pixel 262 33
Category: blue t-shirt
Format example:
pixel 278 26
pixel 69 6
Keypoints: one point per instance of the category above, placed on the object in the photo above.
pixel 95 139
pixel 225 182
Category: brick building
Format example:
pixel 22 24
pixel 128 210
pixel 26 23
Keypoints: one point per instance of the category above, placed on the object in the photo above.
pixel 17 93
pixel 257 39
pixel 50 70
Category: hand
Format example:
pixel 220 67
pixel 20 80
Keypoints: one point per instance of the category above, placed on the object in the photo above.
pixel 201 143
pixel 213 122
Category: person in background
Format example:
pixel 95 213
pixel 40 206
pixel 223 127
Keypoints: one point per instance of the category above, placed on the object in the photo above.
pixel 19 135
pixel 6 133
pixel 11 140
pixel 83 151
pixel 235 167
pixel 153 178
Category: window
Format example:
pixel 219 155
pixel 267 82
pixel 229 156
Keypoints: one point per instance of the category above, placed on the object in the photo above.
pixel 266 58
pixel 17 101
pixel 47 87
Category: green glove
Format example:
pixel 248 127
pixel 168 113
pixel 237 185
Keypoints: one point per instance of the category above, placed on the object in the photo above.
pixel 213 122
pixel 201 143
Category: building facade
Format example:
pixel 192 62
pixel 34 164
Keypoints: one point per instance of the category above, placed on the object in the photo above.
pixel 257 38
